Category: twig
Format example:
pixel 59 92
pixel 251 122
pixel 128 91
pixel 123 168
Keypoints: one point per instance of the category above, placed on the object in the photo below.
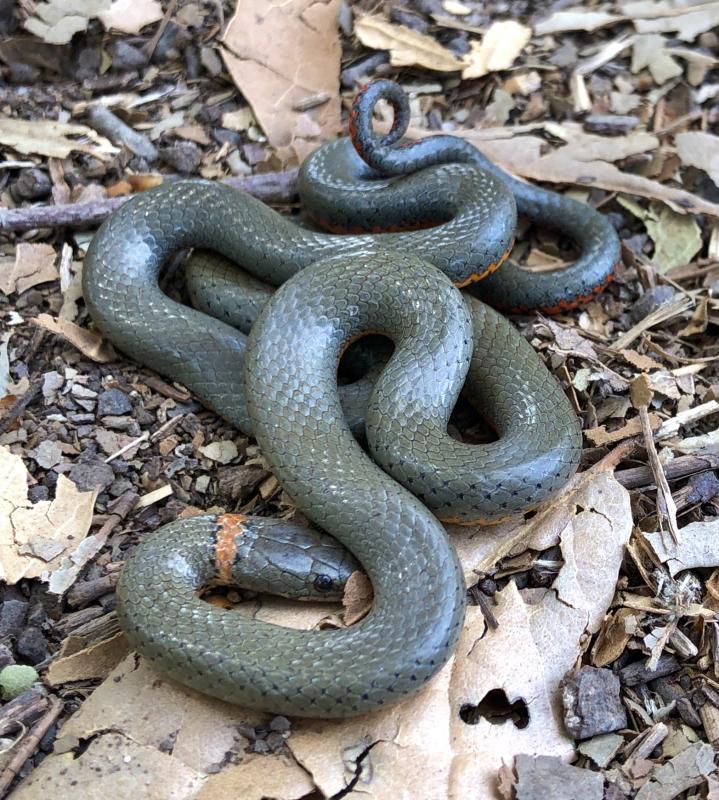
pixel 642 395
pixel 120 133
pixel 22 711
pixel 28 745
pixel 19 406
pixel 143 437
pixel 483 602
pixel 682 467
pixel 666 311
pixel 270 187
pixel 670 427
pixel 152 44
pixel 82 593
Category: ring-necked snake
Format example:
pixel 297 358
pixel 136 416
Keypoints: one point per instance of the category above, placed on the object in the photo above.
pixel 336 289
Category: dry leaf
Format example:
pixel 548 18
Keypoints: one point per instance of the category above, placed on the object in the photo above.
pixel 93 662
pixel 357 598
pixel 685 770
pixel 614 636
pixel 660 16
pixel 586 160
pixel 301 66
pixel 406 47
pixel 576 19
pixel 498 50
pixel 601 436
pixel 33 264
pixel 131 16
pixel 87 342
pixel 699 149
pixel 422 748
pixel 112 766
pixel 45 137
pixel 649 51
pixel 35 537
pixel 699 547
pixel 639 361
pixel 57 21
pixel 677 237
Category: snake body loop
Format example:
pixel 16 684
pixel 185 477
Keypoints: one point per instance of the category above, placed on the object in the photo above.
pixel 418 584
pixel 339 181
pixel 281 387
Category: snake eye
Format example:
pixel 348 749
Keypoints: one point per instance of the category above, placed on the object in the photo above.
pixel 323 583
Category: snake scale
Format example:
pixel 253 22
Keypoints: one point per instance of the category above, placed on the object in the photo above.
pixel 280 385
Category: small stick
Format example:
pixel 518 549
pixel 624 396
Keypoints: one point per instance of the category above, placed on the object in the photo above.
pixel 681 467
pixel 270 187
pixel 152 44
pixel 483 602
pixel 82 593
pixel 642 394
pixel 29 744
pixel 143 437
pixel 18 407
pixel 120 133
pixel 671 426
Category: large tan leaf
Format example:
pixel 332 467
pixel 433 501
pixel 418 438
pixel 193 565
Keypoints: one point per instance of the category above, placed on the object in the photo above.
pixel 285 59
pixel 422 748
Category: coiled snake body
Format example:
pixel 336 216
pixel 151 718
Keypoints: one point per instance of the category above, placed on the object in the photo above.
pixel 281 386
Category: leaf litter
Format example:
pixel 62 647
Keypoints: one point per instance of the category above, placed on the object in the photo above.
pixel 613 104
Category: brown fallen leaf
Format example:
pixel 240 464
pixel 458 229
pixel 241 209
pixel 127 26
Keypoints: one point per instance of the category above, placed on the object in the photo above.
pixel 586 160
pixel 357 599
pixel 93 662
pixel 87 342
pixel 33 264
pixel 576 19
pixel 677 237
pixel 292 86
pixel 638 360
pixel 131 16
pixel 46 137
pixel 112 766
pixel 601 436
pixel 35 538
pixel 498 50
pixel 699 547
pixel 57 21
pixel 699 149
pixel 406 47
pixel 422 748
pixel 615 634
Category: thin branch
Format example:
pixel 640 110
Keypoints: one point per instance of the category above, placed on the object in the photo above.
pixel 270 187
pixel 28 745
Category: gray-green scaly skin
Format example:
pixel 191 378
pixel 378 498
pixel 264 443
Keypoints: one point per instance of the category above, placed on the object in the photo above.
pixel 396 539
pixel 124 259
pixel 539 442
pixel 298 420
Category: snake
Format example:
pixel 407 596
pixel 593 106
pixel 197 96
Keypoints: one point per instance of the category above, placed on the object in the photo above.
pixel 279 384
pixel 339 182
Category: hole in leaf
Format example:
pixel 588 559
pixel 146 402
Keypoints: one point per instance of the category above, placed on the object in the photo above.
pixel 496 708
